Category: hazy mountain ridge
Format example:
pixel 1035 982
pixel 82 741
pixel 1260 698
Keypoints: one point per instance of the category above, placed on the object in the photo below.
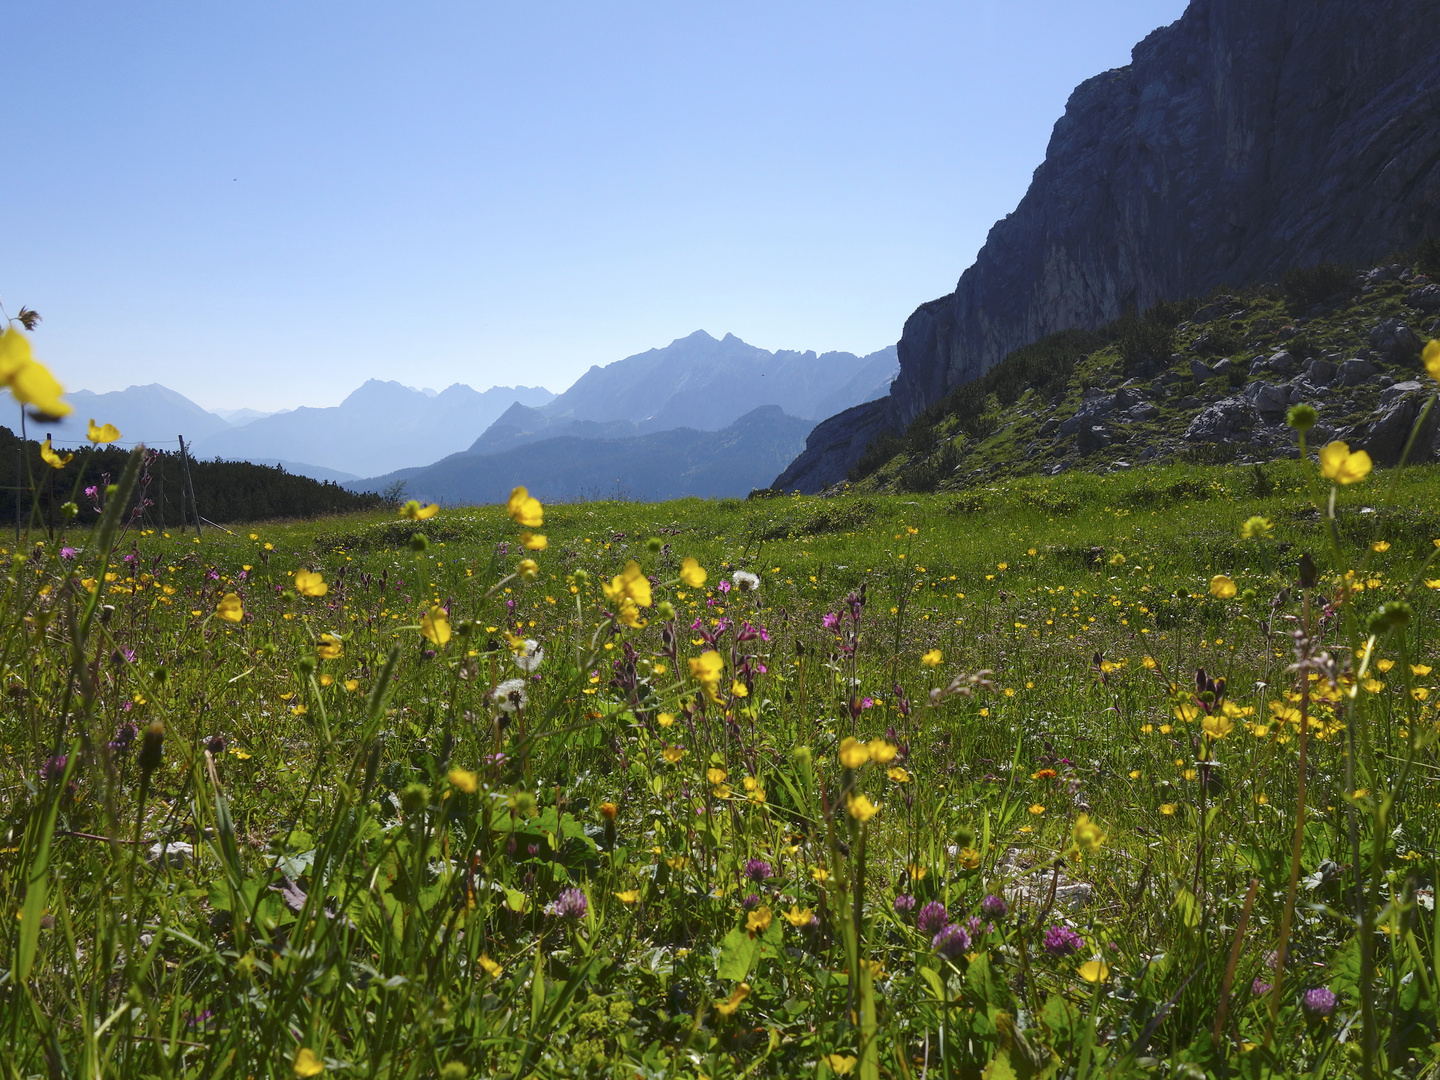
pixel 655 465
pixel 382 425
pixel 1243 139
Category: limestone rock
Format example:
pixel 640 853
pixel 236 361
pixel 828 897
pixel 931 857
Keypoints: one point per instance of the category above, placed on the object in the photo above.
pixel 1241 140
pixel 1426 298
pixel 1225 420
pixel 1394 340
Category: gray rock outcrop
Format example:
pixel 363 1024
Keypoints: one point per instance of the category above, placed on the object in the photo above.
pixel 1248 137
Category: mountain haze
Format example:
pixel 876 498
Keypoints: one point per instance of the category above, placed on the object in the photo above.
pixel 152 414
pixel 380 427
pixel 656 465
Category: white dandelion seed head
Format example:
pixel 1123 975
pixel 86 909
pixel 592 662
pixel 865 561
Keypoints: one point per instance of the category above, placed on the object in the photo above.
pixel 745 581
pixel 510 695
pixel 530 655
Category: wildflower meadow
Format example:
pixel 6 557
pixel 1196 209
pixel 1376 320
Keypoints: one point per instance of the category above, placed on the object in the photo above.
pixel 1131 774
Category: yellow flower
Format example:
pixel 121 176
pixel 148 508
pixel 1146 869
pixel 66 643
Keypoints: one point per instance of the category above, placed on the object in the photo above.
pixel 327 680
pixel 630 584
pixel 465 780
pixel 524 509
pixel 329 647
pixel 489 966
pixel 727 1008
pixel 797 917
pixel 1093 971
pixel 51 458
pixel 1373 686
pixel 1087 834
pixel 1257 528
pixel 528 569
pixel 628 896
pixel 1380 546
pixel 1222 587
pixel 310 583
pixel 230 608
pixel 1217 727
pixel 860 807
pixel 692 573
pixel 1384 665
pixel 1148 663
pixel 706 669
pixel 853 753
pixel 1168 809
pixel 758 921
pixel 933 658
pixel 1339 464
pixel 881 752
pixel 673 754
pixel 899 775
pixel 1431 356
pixel 1185 713
pixel 1420 669
pixel 820 874
pixel 840 1064
pixel 29 380
pixel 306 1063
pixel 665 719
pixel 352 685
pixel 1036 809
pixel 533 541
pixel 435 626
pixel 106 433
pixel 739 689
pixel 415 512
pixel 715 776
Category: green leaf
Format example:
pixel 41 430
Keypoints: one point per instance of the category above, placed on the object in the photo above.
pixel 737 953
pixel 1000 1068
pixel 932 977
pixel 37 885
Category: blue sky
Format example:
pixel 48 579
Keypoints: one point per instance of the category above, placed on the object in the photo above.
pixel 264 204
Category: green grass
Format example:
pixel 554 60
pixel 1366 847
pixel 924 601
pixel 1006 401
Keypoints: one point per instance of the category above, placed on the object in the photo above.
pixel 347 895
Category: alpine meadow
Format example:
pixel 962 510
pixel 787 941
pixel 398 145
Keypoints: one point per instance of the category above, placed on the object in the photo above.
pixel 1126 774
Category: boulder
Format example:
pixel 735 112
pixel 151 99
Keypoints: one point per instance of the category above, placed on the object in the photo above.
pixel 1389 433
pixel 1223 367
pixel 1200 371
pixel 1224 421
pixel 1426 298
pixel 1390 394
pixel 1267 397
pixel 1320 372
pixel 1393 340
pixel 1093 437
pixel 1354 372
pixel 1282 363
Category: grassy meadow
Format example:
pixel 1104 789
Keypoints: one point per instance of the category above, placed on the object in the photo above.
pixel 1048 778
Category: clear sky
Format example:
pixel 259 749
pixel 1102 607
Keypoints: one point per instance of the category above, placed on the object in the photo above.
pixel 264 203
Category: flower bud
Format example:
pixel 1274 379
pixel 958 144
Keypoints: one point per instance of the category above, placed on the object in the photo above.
pixel 1302 417
pixel 152 746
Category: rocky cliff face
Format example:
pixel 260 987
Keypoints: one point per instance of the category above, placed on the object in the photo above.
pixel 1248 137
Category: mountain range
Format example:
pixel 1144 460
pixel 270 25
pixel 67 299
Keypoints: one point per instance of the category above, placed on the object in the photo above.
pixel 669 464
pixel 729 412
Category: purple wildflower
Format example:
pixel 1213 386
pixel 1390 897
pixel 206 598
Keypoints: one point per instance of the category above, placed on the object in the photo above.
pixel 951 941
pixel 124 735
pixel 1062 941
pixel 1260 988
pixel 724 586
pixel 993 907
pixel 931 918
pixel 904 904
pixel 54 767
pixel 68 552
pixel 758 870
pixel 570 904
pixel 1318 1003
pixel 751 902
